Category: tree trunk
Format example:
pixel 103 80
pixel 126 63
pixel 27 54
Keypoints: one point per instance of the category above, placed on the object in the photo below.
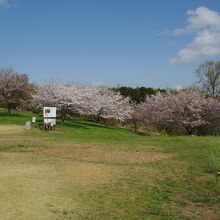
pixel 63 117
pixel 97 119
pixel 106 122
pixel 189 131
pixel 9 110
pixel 62 121
pixel 64 111
pixel 135 126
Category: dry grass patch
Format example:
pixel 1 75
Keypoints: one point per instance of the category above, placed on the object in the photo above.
pixel 192 211
pixel 26 188
pixel 123 157
pixel 34 188
pixel 95 154
pixel 89 176
pixel 80 174
pixel 14 138
pixel 11 129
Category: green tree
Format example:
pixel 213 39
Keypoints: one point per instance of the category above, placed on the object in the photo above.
pixel 208 75
pixel 138 94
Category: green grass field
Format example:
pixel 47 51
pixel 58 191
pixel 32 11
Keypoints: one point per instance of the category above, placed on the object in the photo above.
pixel 86 171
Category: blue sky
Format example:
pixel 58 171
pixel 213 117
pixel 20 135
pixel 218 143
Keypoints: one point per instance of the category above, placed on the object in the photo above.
pixel 126 42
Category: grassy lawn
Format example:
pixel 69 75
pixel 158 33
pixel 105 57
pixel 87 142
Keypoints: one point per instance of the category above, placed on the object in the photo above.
pixel 86 171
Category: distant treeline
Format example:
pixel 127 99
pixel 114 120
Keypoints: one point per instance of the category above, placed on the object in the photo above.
pixel 138 94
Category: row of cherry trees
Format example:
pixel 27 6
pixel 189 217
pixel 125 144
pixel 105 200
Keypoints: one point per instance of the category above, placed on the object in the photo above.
pixel 185 112
pixel 101 103
pixel 174 112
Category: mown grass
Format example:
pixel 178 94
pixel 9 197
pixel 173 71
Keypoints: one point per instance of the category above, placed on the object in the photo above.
pixel 65 174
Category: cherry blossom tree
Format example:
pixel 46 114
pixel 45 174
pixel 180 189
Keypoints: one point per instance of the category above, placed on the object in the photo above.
pixel 65 97
pixel 85 100
pixel 186 111
pixel 106 104
pixel 15 89
pixel 211 114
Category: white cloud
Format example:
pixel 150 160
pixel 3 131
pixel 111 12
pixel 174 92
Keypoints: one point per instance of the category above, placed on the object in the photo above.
pixel 4 3
pixel 206 25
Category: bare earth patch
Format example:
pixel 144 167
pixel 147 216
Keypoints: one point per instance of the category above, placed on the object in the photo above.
pixel 94 154
pixel 34 187
pixel 100 155
pixel 90 176
pixel 42 178
pixel 192 211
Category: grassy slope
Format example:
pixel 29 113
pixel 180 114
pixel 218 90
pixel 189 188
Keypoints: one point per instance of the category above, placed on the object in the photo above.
pixel 35 179
pixel 17 118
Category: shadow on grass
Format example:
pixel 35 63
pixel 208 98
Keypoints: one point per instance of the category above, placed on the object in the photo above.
pixel 141 133
pixel 83 124
pixel 17 114
pixel 91 124
pixel 72 124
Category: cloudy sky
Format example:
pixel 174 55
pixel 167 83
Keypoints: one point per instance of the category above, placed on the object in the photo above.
pixel 128 42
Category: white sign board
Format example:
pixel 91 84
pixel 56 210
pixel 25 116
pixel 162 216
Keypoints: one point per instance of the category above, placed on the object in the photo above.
pixel 50 112
pixel 52 121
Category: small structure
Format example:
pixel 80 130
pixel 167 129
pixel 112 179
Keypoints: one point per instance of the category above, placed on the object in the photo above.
pixel 33 120
pixel 28 125
pixel 49 114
